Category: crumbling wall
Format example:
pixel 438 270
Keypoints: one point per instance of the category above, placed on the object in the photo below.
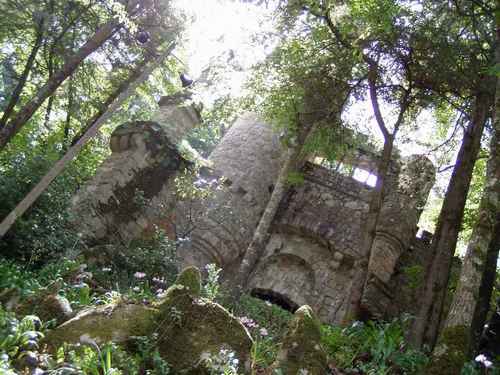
pixel 316 236
pixel 133 188
pixel 320 227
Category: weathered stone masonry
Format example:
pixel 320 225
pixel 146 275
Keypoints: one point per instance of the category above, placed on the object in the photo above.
pixel 133 189
pixel 316 235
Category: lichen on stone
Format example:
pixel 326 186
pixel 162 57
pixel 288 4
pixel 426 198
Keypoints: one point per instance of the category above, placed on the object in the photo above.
pixel 301 350
pixel 190 278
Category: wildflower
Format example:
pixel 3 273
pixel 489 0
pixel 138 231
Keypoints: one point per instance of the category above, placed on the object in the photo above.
pixel 136 289
pixel 263 332
pixel 248 322
pixel 106 269
pixel 481 358
pixel 357 324
pixel 139 275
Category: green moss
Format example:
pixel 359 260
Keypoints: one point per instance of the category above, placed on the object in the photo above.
pixel 190 329
pixel 106 323
pixel 450 353
pixel 301 348
pixel 190 278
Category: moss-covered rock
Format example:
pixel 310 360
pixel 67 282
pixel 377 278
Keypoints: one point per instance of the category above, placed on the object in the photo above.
pixel 55 307
pixel 105 323
pixel 301 351
pixel 193 329
pixel 190 279
pixel 450 353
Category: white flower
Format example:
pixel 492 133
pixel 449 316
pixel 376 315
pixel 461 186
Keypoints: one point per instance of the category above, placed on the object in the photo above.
pixel 106 269
pixel 248 322
pixel 263 332
pixel 139 275
pixel 481 358
pixel 136 289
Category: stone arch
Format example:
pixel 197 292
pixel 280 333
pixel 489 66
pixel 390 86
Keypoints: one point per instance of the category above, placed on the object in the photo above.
pixel 276 298
pixel 285 278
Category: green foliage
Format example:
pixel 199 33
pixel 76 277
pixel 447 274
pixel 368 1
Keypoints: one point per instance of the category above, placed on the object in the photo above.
pixel 295 178
pixel 267 324
pixel 212 286
pixel 414 275
pixel 373 348
pixel 18 338
pixel 149 357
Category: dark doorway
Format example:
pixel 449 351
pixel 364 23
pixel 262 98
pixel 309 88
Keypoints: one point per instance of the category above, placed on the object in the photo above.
pixel 275 298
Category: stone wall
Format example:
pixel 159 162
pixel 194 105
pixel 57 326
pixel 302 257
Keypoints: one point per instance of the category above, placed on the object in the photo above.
pixel 317 236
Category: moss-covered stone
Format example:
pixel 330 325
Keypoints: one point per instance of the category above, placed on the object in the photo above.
pixel 190 279
pixel 450 353
pixel 192 329
pixel 55 307
pixel 105 323
pixel 301 350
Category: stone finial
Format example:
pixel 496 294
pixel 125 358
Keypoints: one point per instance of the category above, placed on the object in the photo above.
pixel 177 114
pixel 301 350
pixel 190 278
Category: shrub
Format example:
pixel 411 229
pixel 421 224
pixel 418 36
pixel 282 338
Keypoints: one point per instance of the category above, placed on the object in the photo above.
pixel 373 348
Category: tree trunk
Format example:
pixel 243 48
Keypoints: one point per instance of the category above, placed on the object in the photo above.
pixel 69 113
pixel 376 198
pixel 256 247
pixel 137 77
pixel 485 290
pixel 10 129
pixel 466 295
pixel 426 325
pixel 16 94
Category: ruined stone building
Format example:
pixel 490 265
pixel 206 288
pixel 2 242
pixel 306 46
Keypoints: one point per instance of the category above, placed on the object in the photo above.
pixel 314 244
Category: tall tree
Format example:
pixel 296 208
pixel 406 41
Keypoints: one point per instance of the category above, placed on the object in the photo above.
pixel 115 100
pixel 466 296
pixel 16 93
pixel 488 278
pixel 453 19
pixel 102 34
pixel 427 323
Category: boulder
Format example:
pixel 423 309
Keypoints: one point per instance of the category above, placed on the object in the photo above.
pixel 102 324
pixel 55 307
pixel 301 351
pixel 194 331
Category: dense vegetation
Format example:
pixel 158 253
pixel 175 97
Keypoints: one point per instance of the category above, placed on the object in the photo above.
pixel 68 67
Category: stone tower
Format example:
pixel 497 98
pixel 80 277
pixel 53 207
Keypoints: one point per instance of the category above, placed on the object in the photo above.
pixel 133 189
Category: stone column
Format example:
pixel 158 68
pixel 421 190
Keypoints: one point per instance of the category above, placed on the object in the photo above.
pixel 396 227
pixel 249 160
pixel 133 188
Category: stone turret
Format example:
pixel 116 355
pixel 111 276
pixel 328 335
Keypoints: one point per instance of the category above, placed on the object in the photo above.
pixel 133 188
pixel 396 229
pixel 248 158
